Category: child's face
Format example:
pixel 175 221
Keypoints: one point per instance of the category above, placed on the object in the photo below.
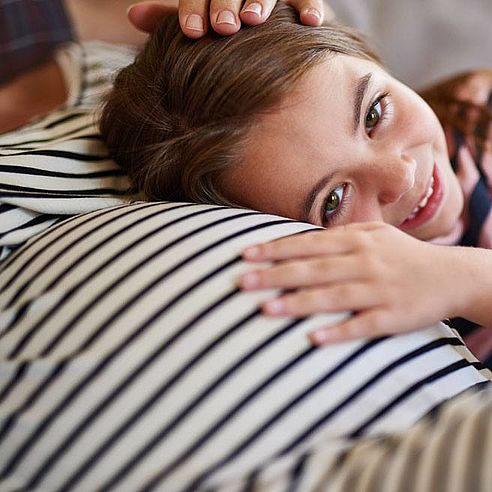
pixel 351 144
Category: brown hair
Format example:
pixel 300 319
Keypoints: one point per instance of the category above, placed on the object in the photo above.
pixel 180 114
pixel 454 101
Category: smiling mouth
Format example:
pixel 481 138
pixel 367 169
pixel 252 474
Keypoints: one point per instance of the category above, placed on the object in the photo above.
pixel 428 205
pixel 424 201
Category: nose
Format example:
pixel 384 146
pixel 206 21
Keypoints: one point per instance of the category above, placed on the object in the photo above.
pixel 396 176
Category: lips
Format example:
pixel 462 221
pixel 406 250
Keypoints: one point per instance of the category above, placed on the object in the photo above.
pixel 428 204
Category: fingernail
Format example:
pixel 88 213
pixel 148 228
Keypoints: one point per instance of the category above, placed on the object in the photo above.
pixel 254 8
pixel 226 17
pixel 274 307
pixel 314 12
pixel 320 337
pixel 250 280
pixel 130 7
pixel 251 252
pixel 194 22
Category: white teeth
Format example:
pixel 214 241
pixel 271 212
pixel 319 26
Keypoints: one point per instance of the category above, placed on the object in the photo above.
pixel 424 200
pixel 431 188
pixel 423 203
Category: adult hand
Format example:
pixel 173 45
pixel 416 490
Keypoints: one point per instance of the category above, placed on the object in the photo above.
pixel 390 281
pixel 224 16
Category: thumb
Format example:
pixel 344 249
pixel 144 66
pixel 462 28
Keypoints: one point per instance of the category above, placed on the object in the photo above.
pixel 145 15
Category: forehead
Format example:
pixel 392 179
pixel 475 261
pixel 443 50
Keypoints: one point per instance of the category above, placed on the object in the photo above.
pixel 290 148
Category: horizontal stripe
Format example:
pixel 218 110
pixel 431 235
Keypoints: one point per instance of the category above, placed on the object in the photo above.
pixel 35 221
pixel 57 174
pixel 65 155
pixel 45 193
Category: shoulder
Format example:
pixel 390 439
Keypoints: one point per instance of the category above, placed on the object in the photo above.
pixel 89 69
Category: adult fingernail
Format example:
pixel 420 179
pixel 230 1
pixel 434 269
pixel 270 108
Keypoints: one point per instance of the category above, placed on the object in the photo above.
pixel 194 22
pixel 313 12
pixel 226 17
pixel 254 8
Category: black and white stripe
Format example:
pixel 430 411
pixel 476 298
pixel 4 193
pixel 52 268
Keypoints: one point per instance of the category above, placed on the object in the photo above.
pixel 130 361
pixel 57 166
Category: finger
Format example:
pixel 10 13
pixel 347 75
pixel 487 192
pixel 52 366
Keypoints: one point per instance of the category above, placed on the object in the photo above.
pixel 311 12
pixel 256 12
pixel 332 241
pixel 307 273
pixel 224 16
pixel 146 15
pixel 193 17
pixel 368 324
pixel 340 297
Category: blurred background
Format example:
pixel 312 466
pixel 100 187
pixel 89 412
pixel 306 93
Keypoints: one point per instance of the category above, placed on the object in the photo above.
pixel 424 40
pixel 419 40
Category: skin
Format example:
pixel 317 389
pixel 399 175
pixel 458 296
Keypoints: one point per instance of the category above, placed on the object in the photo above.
pixel 386 168
pixel 42 89
pixel 223 16
pixel 364 263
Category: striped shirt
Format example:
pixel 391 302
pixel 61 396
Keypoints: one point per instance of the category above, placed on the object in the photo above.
pixel 30 30
pixel 129 360
pixel 57 166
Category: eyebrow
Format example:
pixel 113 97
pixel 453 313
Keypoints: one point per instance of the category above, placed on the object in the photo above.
pixel 359 93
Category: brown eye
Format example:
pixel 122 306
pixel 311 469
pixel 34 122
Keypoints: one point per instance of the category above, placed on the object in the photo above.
pixel 374 115
pixel 332 203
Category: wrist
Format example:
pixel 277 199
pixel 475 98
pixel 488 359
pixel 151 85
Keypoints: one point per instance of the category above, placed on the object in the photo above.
pixel 471 277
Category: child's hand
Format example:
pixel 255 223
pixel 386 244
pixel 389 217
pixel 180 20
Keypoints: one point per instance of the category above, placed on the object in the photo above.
pixel 392 282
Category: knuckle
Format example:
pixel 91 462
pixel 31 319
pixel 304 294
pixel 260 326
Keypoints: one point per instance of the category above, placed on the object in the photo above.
pixel 309 298
pixel 355 330
pixel 304 270
pixel 321 267
pixel 366 240
pixel 371 264
pixel 346 293
pixel 383 294
pixel 377 322
pixel 359 239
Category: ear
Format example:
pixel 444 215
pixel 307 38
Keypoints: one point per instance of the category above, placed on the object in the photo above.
pixel 145 15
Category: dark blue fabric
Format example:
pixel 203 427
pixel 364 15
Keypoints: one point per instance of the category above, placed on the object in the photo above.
pixel 479 208
pixel 29 32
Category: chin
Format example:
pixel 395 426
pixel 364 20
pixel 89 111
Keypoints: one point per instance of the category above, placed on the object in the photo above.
pixel 443 225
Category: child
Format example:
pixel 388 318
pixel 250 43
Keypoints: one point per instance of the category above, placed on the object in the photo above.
pixel 305 123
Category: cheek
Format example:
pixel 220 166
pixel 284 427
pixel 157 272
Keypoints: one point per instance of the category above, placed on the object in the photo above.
pixel 416 118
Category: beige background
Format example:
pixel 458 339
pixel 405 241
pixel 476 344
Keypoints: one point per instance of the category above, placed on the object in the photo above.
pixel 424 40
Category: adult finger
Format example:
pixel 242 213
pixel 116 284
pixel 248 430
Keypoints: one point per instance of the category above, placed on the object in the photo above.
pixel 146 15
pixel 311 12
pixel 193 17
pixel 224 16
pixel 256 12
